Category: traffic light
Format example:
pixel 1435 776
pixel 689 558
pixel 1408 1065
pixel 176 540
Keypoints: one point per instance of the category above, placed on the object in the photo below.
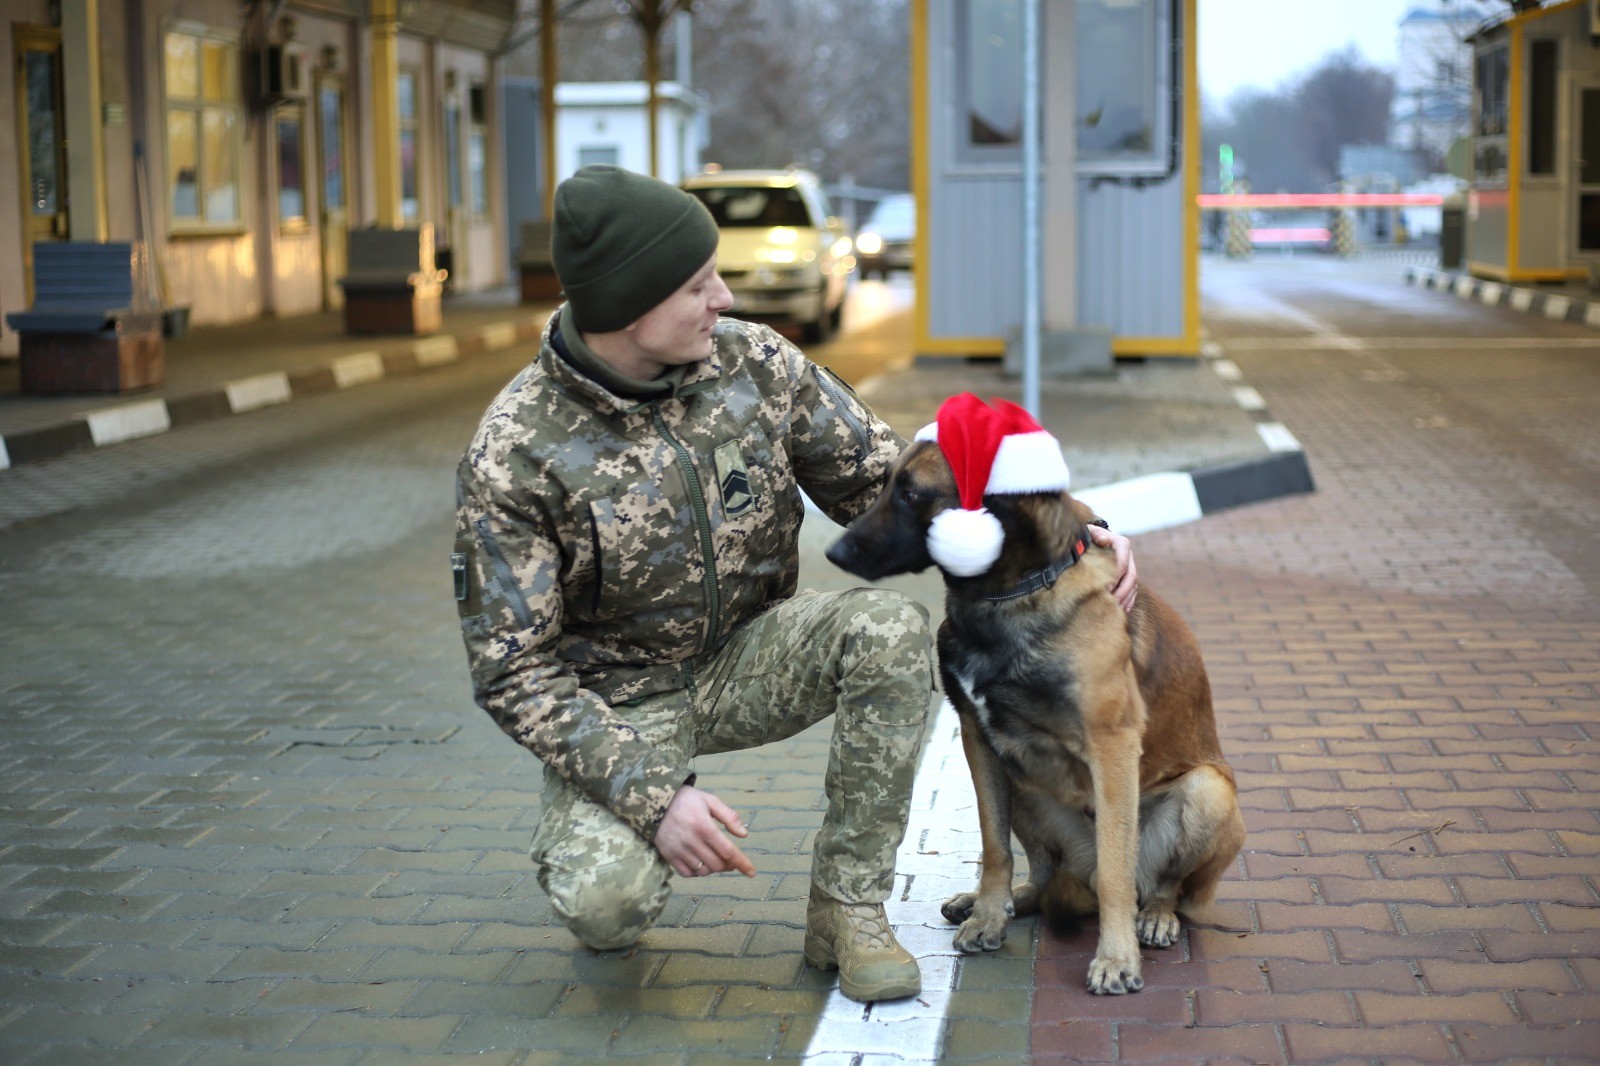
pixel 1225 168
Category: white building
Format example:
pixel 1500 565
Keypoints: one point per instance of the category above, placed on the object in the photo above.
pixel 1433 84
pixel 608 122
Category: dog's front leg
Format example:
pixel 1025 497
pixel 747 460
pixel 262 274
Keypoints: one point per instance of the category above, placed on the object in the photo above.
pixel 1114 763
pixel 983 923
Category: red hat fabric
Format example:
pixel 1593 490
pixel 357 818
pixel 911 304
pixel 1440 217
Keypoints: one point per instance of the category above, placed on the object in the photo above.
pixel 993 450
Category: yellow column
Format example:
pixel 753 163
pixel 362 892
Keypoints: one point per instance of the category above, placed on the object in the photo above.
pixel 548 77
pixel 86 165
pixel 385 66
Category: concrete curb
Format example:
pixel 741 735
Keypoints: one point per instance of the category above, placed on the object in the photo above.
pixel 1559 306
pixel 120 422
pixel 1157 501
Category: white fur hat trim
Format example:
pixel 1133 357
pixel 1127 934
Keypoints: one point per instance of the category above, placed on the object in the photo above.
pixel 1028 462
pixel 965 543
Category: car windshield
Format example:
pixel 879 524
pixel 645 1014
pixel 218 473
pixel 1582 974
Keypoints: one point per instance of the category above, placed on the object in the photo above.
pixel 743 205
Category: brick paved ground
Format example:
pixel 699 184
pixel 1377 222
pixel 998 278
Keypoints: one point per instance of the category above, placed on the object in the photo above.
pixel 248 815
pixel 1406 667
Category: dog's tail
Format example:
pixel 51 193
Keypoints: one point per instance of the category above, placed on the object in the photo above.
pixel 1065 902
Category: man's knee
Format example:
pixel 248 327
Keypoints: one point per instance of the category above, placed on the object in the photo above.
pixel 888 645
pixel 609 906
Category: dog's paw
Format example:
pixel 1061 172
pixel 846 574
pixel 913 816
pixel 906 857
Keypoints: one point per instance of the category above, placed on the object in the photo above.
pixel 1109 976
pixel 977 935
pixel 958 908
pixel 1157 929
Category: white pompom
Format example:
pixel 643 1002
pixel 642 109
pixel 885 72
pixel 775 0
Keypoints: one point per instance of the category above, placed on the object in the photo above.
pixel 965 543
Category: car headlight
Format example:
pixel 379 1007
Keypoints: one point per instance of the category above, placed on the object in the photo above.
pixel 869 243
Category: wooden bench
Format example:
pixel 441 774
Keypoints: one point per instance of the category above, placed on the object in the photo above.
pixel 84 333
pixel 538 273
pixel 392 284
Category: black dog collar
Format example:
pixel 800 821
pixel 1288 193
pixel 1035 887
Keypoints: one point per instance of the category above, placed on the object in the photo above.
pixel 1044 577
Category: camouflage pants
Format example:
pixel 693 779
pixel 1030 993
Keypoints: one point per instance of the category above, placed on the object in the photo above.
pixel 864 656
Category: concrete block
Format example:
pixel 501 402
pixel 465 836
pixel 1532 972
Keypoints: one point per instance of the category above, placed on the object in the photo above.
pixel 1078 352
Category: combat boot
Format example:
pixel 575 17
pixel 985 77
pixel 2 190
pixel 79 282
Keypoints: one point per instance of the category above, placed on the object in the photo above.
pixel 856 938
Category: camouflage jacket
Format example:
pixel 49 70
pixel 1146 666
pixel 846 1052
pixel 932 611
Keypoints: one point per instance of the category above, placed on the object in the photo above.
pixel 606 544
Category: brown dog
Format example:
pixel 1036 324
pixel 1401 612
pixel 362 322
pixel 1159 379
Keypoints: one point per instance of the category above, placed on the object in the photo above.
pixel 1089 732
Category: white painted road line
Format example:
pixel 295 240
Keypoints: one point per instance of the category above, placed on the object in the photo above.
pixel 5 456
pixel 907 1030
pixel 1248 398
pixel 359 368
pixel 1227 370
pixel 117 424
pixel 1276 436
pixel 1143 504
pixel 435 351
pixel 262 390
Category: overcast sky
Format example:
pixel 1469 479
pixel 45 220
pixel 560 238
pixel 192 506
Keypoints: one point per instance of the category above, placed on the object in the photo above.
pixel 1263 43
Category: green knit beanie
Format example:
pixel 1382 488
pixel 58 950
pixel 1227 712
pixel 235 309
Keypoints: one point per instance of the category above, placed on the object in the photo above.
pixel 622 243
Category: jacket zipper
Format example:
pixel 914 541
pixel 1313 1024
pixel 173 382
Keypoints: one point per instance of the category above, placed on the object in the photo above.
pixel 504 574
pixel 703 519
pixel 825 379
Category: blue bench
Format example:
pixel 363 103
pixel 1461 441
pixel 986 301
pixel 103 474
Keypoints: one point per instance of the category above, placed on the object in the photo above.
pixel 392 284
pixel 84 333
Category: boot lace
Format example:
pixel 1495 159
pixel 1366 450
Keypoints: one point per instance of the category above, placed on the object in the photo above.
pixel 869 925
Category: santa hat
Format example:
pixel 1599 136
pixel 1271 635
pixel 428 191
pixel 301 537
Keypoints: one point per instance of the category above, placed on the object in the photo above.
pixel 993 451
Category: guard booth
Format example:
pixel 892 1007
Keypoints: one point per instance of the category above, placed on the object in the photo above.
pixel 1533 203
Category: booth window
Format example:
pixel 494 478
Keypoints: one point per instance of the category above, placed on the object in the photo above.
pixel 989 80
pixel 1124 83
pixel 1124 119
pixel 1542 107
pixel 200 80
pixel 289 125
pixel 1491 84
pixel 478 149
pixel 406 93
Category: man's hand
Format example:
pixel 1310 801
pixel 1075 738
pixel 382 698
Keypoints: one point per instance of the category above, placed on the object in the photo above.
pixel 1126 587
pixel 690 835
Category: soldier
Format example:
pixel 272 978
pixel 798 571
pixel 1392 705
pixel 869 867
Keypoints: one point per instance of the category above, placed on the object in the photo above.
pixel 626 566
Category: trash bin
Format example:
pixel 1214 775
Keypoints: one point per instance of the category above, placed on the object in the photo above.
pixel 1453 232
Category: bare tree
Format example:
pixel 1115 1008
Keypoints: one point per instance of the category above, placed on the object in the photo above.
pixel 822 83
pixel 1288 140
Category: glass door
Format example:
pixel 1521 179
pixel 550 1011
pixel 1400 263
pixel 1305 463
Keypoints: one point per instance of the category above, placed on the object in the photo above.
pixel 332 208
pixel 41 141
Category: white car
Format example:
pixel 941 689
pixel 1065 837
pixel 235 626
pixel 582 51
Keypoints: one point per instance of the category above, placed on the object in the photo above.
pixel 782 252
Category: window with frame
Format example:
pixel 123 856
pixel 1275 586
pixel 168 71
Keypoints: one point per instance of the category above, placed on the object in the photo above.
pixel 1491 92
pixel 200 80
pixel 478 149
pixel 1124 86
pixel 989 80
pixel 289 131
pixel 452 150
pixel 406 94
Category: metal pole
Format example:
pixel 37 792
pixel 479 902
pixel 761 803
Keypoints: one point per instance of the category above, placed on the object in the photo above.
pixel 1030 207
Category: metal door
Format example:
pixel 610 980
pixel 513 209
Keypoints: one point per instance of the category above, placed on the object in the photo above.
pixel 41 141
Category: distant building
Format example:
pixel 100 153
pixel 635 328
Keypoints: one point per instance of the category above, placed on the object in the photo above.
pixel 244 148
pixel 609 122
pixel 1433 83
